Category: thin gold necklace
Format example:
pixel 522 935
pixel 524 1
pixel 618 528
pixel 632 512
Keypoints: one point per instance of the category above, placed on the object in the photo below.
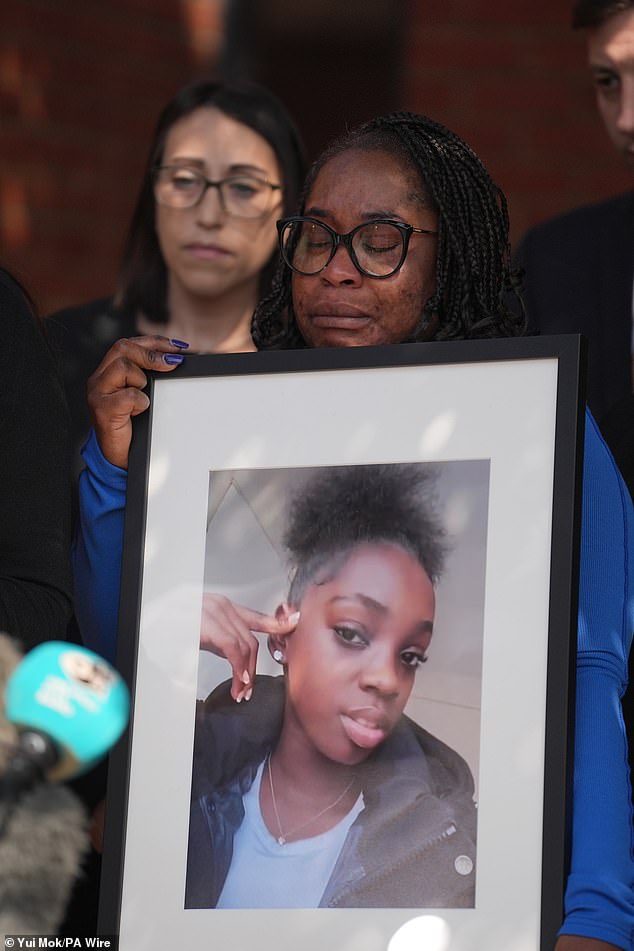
pixel 283 837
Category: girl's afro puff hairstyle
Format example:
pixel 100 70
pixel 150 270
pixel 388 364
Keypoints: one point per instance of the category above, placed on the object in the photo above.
pixel 341 508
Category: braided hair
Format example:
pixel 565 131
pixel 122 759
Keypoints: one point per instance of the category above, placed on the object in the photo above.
pixel 339 509
pixel 475 279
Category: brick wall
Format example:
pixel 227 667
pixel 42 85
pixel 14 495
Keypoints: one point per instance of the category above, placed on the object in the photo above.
pixel 81 84
pixel 511 78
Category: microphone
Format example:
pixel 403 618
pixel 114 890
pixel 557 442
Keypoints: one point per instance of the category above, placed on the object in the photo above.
pixel 45 835
pixel 69 707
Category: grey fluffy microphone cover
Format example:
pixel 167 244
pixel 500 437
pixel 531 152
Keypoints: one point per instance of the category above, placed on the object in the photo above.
pixel 43 844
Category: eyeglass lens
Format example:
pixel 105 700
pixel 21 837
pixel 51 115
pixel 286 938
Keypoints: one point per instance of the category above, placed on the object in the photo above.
pixel 242 196
pixel 378 247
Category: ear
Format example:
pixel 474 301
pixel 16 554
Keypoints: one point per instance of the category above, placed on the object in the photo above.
pixel 287 616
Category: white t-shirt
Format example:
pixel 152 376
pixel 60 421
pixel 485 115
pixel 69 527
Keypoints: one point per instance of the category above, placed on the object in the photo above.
pixel 265 874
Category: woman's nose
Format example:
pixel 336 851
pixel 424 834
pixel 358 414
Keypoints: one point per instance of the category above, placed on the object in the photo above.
pixel 210 209
pixel 341 270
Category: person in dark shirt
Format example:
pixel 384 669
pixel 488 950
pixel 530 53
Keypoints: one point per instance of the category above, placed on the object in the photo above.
pixel 579 266
pixel 35 582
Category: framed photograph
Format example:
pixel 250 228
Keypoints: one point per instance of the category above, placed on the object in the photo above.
pixel 396 772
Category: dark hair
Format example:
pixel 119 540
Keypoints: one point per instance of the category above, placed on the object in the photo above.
pixel 339 509
pixel 142 283
pixel 588 14
pixel 474 273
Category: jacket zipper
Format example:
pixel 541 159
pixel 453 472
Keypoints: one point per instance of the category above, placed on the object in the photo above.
pixel 387 872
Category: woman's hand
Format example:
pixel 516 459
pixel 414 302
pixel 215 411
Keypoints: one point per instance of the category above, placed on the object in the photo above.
pixel 227 630
pixel 115 389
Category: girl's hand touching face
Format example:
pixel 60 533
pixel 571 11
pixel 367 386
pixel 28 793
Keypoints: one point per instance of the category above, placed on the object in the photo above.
pixel 228 630
pixel 115 389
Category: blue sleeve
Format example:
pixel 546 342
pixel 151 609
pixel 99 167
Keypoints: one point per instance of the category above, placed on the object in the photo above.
pixel 98 549
pixel 599 899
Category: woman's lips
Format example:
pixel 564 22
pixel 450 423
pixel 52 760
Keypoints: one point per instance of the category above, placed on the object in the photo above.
pixel 340 321
pixel 338 316
pixel 363 731
pixel 207 252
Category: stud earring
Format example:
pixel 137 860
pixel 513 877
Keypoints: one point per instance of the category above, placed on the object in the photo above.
pixel 278 655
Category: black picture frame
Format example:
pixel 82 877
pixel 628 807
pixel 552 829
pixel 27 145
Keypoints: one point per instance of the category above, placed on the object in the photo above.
pixel 512 393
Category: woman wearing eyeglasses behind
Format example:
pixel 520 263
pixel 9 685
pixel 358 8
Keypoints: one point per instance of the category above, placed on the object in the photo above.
pixel 225 162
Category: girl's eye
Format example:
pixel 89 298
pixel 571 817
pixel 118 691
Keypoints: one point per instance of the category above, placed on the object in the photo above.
pixel 350 636
pixel 413 658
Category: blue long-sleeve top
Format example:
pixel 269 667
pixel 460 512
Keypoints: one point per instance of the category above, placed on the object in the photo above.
pixel 599 900
pixel 97 549
pixel 600 890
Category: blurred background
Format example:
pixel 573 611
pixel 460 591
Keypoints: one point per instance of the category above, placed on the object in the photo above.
pixel 82 82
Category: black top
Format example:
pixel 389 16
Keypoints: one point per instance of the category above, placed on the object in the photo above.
pixel 35 587
pixel 80 337
pixel 579 273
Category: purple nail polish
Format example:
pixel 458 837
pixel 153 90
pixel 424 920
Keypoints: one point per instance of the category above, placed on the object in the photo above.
pixel 173 358
pixel 179 343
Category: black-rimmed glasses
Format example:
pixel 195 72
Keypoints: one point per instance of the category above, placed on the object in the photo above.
pixel 376 248
pixel 242 196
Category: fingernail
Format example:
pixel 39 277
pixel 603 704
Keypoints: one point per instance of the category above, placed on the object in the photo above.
pixel 173 358
pixel 248 694
pixel 294 618
pixel 245 677
pixel 179 343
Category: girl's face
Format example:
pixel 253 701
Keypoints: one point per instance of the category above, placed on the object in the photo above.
pixel 340 307
pixel 206 251
pixel 350 663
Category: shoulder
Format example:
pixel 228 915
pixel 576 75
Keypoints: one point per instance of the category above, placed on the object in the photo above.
pixel 578 224
pixel 424 759
pixel 17 312
pixel 90 310
pixel 229 736
pixel 606 588
pixel 26 350
pixel 608 512
pixel 449 770
pixel 585 216
pixel 617 428
pixel 12 294
pixel 95 319
pixel 599 465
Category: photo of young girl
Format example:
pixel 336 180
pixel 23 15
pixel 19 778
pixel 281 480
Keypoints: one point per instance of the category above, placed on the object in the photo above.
pixel 313 788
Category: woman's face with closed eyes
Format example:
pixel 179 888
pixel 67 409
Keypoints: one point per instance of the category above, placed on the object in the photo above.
pixel 339 306
pixel 351 661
